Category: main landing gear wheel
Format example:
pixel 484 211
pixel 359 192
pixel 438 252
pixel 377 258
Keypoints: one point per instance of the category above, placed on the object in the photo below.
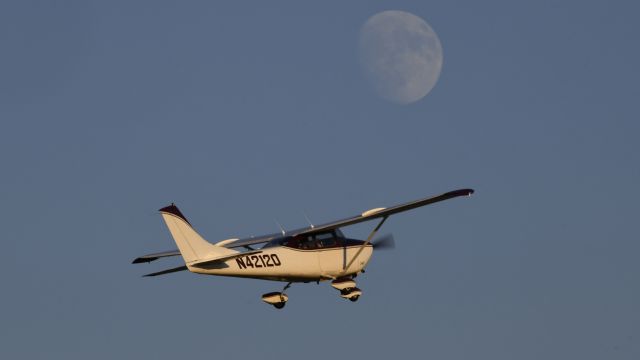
pixel 277 299
pixel 279 305
pixel 354 298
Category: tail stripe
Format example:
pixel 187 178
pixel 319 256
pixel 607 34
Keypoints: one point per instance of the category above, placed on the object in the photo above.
pixel 173 209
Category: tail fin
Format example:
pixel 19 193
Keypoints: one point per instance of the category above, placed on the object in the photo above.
pixel 191 245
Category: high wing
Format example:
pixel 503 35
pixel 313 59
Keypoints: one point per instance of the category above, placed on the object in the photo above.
pixel 382 212
pixel 365 216
pixel 254 240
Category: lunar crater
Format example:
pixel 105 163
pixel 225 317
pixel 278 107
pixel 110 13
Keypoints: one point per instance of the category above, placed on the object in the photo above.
pixel 401 55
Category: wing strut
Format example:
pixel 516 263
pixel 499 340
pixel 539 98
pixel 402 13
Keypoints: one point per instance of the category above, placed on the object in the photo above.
pixel 366 242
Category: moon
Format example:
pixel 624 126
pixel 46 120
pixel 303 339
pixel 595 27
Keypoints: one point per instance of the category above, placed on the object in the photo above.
pixel 401 55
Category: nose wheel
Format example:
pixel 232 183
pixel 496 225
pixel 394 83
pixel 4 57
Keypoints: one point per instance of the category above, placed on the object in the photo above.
pixel 347 288
pixel 352 294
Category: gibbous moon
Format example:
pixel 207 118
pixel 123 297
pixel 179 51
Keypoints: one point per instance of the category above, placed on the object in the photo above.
pixel 401 55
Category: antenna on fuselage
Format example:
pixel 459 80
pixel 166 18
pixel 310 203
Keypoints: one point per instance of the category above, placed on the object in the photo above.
pixel 309 221
pixel 281 228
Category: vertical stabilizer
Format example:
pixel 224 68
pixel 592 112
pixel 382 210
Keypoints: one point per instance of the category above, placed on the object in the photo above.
pixel 191 245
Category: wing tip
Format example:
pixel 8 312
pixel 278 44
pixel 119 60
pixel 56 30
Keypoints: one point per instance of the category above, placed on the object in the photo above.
pixel 462 192
pixel 140 260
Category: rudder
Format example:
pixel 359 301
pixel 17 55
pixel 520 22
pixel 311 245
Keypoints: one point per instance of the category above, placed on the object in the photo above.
pixel 191 245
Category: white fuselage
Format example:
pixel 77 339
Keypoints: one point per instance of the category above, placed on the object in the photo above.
pixel 283 263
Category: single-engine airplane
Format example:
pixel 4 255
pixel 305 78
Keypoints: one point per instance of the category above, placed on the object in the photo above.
pixel 314 253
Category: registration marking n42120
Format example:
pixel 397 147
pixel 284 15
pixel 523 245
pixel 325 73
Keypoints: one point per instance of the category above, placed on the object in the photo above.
pixel 258 261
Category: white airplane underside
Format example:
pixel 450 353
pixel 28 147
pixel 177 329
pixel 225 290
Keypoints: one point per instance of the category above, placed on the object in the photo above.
pixel 314 253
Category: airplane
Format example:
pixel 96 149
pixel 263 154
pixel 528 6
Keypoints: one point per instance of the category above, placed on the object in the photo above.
pixel 311 254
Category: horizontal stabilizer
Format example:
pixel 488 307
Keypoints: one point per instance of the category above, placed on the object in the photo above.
pixel 168 271
pixel 151 257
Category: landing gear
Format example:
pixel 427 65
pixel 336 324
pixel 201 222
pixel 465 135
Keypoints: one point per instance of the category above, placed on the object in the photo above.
pixel 348 289
pixel 277 299
pixel 352 294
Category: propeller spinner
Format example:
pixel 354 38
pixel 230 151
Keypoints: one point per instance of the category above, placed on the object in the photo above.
pixel 385 242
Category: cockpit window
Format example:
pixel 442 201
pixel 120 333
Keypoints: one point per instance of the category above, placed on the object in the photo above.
pixel 314 241
pixel 307 243
pixel 325 240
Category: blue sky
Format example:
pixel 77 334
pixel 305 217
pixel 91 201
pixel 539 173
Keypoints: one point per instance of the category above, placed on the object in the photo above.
pixel 243 113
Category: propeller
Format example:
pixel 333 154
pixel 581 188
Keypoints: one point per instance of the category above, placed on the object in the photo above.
pixel 385 242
